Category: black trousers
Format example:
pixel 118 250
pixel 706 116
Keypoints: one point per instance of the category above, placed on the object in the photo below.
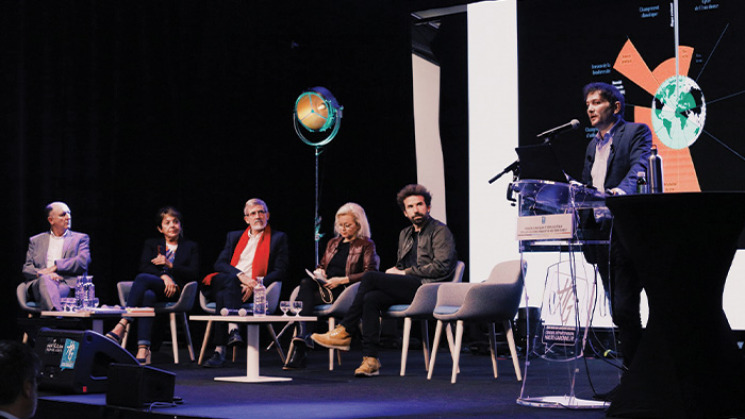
pixel 377 292
pixel 310 295
pixel 225 289
pixel 621 282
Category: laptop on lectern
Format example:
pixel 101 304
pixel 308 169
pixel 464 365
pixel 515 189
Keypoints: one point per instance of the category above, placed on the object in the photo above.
pixel 539 162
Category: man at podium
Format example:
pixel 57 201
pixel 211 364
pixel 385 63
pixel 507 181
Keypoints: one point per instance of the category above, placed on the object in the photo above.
pixel 613 158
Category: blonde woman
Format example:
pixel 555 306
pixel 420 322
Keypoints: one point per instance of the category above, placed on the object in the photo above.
pixel 348 255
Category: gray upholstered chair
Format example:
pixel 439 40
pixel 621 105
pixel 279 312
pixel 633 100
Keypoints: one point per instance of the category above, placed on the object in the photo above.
pixel 174 309
pixel 421 309
pixel 494 300
pixel 337 309
pixel 272 300
pixel 28 305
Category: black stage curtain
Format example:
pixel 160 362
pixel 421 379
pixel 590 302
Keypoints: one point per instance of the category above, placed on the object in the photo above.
pixel 121 107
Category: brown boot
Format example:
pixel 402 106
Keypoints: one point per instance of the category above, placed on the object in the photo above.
pixel 370 367
pixel 335 339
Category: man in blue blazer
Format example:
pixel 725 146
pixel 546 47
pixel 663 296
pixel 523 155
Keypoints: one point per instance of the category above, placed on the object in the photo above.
pixel 614 157
pixel 55 258
pixel 621 148
pixel 257 251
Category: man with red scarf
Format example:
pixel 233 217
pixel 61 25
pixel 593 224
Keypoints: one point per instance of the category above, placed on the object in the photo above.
pixel 257 251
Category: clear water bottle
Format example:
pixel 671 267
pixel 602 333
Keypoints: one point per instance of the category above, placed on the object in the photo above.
pixel 641 183
pixel 655 172
pixel 260 298
pixel 89 290
pixel 80 290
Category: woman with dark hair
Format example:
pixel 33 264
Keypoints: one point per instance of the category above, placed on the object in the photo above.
pixel 348 255
pixel 166 265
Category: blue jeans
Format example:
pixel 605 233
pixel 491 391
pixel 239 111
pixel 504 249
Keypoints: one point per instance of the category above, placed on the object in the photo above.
pixel 147 289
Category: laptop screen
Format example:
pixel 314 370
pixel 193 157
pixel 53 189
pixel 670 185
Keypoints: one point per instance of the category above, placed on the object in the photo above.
pixel 539 162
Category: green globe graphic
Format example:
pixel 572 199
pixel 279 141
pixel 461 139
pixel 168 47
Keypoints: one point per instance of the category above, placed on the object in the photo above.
pixel 678 112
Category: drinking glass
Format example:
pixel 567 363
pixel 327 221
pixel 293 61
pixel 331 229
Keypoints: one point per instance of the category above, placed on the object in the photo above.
pixel 285 307
pixel 90 303
pixel 297 306
pixel 68 304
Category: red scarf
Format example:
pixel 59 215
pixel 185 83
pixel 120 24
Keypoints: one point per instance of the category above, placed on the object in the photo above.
pixel 260 263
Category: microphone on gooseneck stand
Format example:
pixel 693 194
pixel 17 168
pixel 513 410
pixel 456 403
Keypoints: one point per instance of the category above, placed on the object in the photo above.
pixel 569 126
pixel 514 166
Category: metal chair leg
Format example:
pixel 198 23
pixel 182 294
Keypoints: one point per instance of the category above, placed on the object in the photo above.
pixel 276 342
pixel 279 335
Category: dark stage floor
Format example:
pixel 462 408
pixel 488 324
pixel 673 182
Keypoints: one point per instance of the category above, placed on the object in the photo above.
pixel 318 393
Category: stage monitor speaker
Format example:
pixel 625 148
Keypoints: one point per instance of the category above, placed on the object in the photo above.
pixel 75 361
pixel 137 386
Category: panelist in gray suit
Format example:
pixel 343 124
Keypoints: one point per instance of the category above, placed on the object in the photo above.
pixel 55 258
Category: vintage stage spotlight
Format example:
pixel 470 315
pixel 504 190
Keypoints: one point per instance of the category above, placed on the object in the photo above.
pixel 316 110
